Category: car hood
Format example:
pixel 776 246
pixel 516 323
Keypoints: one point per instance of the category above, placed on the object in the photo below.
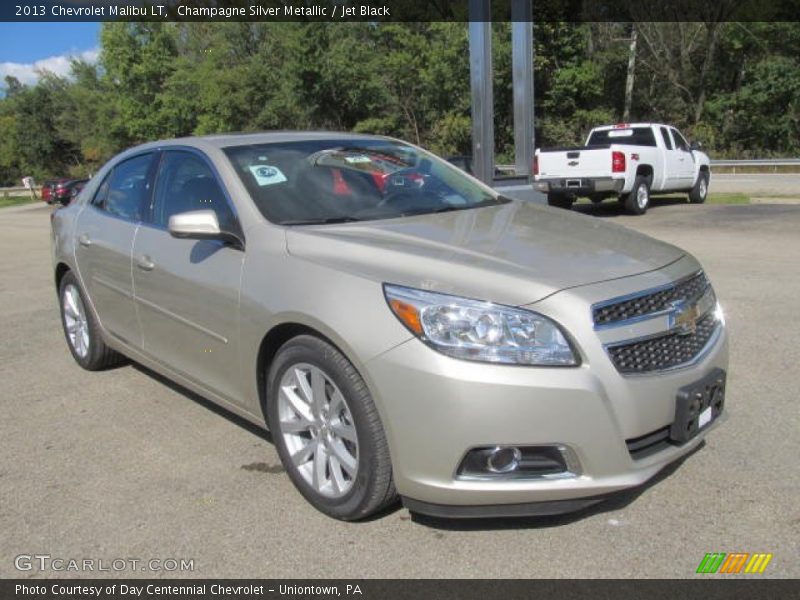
pixel 516 253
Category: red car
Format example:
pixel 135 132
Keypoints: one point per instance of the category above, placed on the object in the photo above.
pixel 48 189
pixel 66 190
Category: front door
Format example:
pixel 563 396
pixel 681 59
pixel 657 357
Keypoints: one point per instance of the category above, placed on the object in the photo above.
pixel 685 161
pixel 106 229
pixel 187 291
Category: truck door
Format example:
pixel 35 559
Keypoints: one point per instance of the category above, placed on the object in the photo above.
pixel 685 172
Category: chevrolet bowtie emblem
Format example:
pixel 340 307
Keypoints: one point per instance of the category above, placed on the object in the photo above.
pixel 683 317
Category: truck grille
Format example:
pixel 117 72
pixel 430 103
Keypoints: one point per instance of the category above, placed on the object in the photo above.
pixel 664 351
pixel 650 302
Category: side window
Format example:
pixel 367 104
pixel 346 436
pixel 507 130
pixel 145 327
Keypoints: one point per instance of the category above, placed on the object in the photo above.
pixel 124 191
pixel 102 192
pixel 186 183
pixel 665 136
pixel 680 143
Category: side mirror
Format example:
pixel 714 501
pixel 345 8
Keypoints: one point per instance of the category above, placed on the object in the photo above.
pixel 200 225
pixel 695 145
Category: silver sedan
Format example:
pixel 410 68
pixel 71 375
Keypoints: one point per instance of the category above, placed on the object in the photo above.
pixel 400 328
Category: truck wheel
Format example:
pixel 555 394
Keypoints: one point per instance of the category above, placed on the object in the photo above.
pixel 637 201
pixel 560 201
pixel 700 190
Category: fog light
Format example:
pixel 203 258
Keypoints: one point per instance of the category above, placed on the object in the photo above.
pixel 503 459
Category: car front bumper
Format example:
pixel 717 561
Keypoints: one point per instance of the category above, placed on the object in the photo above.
pixel 436 409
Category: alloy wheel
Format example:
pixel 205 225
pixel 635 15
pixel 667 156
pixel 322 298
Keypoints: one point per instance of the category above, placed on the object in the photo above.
pixel 318 430
pixel 642 197
pixel 75 320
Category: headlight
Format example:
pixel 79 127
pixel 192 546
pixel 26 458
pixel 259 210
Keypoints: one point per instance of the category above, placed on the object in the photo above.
pixel 480 331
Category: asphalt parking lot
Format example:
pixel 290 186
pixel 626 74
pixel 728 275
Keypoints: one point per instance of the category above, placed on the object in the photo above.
pixel 123 464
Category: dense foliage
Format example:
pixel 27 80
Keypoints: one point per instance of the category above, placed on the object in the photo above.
pixel 736 86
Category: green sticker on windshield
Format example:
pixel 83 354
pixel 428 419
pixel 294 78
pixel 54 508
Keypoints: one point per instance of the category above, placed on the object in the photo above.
pixel 267 174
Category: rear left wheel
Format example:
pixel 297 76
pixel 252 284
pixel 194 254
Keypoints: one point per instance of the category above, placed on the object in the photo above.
pixel 82 329
pixel 638 200
pixel 327 431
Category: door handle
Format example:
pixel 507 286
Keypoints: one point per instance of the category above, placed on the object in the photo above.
pixel 145 264
pixel 84 240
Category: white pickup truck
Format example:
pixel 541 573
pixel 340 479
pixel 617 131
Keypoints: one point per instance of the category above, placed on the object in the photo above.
pixel 627 161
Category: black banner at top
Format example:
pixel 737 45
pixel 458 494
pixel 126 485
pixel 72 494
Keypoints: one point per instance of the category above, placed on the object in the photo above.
pixel 397 10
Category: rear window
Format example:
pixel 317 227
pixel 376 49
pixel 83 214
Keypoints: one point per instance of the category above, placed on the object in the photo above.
pixel 634 136
pixel 324 181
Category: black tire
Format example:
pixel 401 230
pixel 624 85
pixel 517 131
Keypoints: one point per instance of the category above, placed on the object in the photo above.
pixel 632 200
pixel 560 201
pixel 699 192
pixel 98 355
pixel 372 488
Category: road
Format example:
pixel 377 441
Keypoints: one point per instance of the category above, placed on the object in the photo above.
pixel 123 464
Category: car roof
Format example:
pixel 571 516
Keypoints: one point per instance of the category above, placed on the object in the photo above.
pixel 225 140
pixel 628 126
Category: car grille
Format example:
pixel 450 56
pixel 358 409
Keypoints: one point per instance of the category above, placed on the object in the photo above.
pixel 664 351
pixel 648 303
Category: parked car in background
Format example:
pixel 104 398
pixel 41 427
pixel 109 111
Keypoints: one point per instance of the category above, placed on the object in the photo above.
pixel 65 191
pixel 48 189
pixel 399 327
pixel 625 161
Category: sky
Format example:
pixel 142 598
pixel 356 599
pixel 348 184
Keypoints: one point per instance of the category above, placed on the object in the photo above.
pixel 26 47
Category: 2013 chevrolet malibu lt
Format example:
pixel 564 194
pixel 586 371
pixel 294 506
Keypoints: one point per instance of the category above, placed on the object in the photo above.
pixel 400 328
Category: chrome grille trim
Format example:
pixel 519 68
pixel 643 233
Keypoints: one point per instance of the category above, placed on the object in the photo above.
pixel 608 313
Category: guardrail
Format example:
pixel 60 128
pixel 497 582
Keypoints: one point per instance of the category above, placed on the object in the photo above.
pixel 19 191
pixel 774 163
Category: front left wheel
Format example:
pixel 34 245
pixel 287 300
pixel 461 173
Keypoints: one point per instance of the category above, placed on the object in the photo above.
pixel 327 430
pixel 700 190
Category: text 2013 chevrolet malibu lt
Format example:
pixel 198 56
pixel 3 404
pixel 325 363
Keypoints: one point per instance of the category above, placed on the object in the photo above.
pixel 400 327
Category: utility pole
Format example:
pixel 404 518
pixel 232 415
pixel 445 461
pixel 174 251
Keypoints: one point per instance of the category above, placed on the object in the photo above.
pixel 522 72
pixel 626 113
pixel 481 77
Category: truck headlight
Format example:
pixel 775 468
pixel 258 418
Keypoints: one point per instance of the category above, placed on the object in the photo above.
pixel 480 331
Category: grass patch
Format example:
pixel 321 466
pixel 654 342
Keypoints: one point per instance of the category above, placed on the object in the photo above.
pixel 15 200
pixel 728 199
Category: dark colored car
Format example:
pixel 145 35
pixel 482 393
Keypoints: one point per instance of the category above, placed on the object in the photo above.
pixel 48 187
pixel 66 190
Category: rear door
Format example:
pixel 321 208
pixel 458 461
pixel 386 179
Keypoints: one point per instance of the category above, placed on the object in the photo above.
pixel 106 229
pixel 187 291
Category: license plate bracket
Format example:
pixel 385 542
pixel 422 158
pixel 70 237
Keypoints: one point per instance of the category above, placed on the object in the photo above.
pixel 693 401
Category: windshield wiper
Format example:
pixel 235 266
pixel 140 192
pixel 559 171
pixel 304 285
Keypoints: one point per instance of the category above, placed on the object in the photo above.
pixel 483 204
pixel 320 221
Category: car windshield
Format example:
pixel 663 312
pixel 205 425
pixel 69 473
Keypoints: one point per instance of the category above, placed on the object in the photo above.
pixel 334 181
